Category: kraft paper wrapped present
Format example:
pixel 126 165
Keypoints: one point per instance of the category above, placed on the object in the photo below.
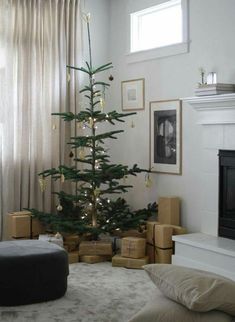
pixel 71 242
pixel 159 255
pixel 160 235
pixel 151 226
pixel 169 210
pixel 20 224
pixel 92 259
pixel 73 257
pixel 120 261
pixel 133 247
pixel 163 236
pixel 164 233
pixel 131 233
pixel 95 248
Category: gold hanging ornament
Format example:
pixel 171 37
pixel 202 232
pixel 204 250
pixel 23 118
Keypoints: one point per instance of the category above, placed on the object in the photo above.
pixel 59 207
pixel 81 153
pixel 87 17
pixel 102 103
pixel 62 178
pixel 148 181
pixel 79 125
pixel 54 127
pixel 42 184
pixel 96 192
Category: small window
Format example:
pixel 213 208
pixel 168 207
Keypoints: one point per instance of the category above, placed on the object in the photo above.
pixel 158 26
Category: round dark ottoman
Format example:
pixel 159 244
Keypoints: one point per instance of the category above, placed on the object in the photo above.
pixel 32 271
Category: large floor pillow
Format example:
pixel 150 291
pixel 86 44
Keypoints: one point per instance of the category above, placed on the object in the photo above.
pixel 162 309
pixel 198 290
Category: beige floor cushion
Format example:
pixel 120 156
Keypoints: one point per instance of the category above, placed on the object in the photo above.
pixel 162 309
pixel 197 290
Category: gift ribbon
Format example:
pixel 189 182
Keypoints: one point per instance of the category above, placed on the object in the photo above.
pixel 154 255
pixel 129 248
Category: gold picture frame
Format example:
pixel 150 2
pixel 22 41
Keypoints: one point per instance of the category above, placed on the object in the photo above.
pixel 166 136
pixel 133 96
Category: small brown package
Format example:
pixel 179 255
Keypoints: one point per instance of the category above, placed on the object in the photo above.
pixel 95 248
pixel 119 261
pixel 169 210
pixel 92 259
pixel 133 247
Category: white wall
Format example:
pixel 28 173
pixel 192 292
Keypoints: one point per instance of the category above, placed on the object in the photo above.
pixel 212 31
pixel 99 28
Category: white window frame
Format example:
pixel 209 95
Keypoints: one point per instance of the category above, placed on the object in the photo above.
pixel 165 51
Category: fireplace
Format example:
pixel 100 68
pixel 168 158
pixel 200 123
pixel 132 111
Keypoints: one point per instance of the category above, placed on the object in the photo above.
pixel 227 193
pixel 214 125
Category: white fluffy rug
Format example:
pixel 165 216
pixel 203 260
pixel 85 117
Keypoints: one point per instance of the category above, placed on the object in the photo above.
pixel 96 293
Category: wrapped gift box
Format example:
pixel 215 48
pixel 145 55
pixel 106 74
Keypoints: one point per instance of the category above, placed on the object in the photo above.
pixel 71 242
pixel 169 210
pixel 151 225
pixel 92 259
pixel 131 233
pixel 159 255
pixel 133 247
pixel 163 236
pixel 164 233
pixel 163 256
pixel 119 261
pixel 178 230
pixel 73 257
pixel 19 225
pixel 95 248
pixel 160 235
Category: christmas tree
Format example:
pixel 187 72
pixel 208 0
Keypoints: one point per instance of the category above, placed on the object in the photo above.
pixel 90 210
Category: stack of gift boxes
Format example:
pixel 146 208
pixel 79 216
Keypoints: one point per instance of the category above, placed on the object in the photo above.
pixel 133 253
pixel 160 246
pixel 95 251
pixel 21 225
pixel 137 249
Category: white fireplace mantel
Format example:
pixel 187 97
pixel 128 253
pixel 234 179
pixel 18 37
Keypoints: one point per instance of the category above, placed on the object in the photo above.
pixel 214 109
pixel 205 250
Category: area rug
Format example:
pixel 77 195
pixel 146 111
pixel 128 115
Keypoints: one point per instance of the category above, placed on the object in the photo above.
pixel 96 293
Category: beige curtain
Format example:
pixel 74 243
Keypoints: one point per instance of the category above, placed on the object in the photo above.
pixel 39 37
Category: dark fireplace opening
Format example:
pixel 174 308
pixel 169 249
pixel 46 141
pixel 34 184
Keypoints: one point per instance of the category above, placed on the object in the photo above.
pixel 227 194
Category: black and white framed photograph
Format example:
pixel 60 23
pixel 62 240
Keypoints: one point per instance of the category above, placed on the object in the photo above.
pixel 133 95
pixel 165 136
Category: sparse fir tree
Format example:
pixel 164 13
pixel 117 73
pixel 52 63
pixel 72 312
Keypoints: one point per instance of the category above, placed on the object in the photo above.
pixel 90 210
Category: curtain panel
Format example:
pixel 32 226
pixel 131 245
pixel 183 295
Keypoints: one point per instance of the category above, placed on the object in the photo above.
pixel 39 38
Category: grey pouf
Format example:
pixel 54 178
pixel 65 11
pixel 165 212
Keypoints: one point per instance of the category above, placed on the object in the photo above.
pixel 32 271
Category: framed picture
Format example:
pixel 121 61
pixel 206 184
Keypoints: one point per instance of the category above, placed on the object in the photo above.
pixel 165 136
pixel 133 95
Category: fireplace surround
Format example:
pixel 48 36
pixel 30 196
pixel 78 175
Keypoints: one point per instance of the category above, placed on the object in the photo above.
pixel 215 120
pixel 215 116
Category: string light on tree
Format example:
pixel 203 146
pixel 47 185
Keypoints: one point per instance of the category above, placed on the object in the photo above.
pixel 42 184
